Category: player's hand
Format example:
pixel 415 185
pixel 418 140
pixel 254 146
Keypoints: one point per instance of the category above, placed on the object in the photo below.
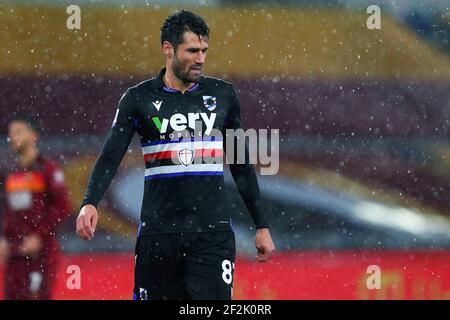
pixel 4 250
pixel 87 222
pixel 264 245
pixel 31 245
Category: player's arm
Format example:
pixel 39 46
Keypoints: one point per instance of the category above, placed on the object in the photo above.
pixel 113 150
pixel 59 205
pixel 58 209
pixel 2 206
pixel 4 243
pixel 247 184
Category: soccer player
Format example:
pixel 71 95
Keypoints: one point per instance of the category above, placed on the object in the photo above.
pixel 185 247
pixel 37 202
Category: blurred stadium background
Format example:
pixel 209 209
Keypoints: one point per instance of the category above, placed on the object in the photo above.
pixel 364 125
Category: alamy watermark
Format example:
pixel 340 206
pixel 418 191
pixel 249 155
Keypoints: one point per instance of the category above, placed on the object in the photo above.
pixel 374 20
pixel 74 20
pixel 74 279
pixel 374 279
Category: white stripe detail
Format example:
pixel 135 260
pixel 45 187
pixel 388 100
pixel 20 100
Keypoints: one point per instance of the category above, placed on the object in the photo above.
pixel 181 145
pixel 205 167
pixel 115 118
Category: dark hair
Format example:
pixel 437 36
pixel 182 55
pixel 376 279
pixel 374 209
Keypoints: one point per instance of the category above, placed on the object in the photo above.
pixel 28 119
pixel 178 23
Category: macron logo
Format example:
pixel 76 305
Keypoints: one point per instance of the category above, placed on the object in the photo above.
pixel 157 104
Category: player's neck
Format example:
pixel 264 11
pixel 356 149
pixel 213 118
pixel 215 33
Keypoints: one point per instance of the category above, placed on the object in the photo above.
pixel 172 81
pixel 28 157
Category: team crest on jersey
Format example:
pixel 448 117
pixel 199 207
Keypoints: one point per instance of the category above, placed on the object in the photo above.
pixel 209 102
pixel 186 156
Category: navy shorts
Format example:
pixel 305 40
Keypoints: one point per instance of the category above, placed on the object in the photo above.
pixel 185 266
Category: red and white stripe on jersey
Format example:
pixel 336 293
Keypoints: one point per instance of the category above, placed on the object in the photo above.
pixel 169 158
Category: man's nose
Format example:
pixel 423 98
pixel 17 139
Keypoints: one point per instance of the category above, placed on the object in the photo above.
pixel 201 56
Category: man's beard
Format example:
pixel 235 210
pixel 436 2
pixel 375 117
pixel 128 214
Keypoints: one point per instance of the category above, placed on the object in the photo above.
pixel 180 73
pixel 19 149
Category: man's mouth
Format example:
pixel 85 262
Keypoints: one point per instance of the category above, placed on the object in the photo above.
pixel 196 69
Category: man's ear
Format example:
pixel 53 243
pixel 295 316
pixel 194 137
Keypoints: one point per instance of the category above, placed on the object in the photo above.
pixel 168 49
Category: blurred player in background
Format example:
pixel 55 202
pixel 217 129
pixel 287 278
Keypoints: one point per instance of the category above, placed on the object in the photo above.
pixel 36 203
pixel 186 245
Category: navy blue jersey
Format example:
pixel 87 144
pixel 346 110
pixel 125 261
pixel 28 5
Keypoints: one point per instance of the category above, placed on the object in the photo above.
pixel 183 138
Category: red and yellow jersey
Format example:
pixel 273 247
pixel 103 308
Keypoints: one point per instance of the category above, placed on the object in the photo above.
pixel 37 201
